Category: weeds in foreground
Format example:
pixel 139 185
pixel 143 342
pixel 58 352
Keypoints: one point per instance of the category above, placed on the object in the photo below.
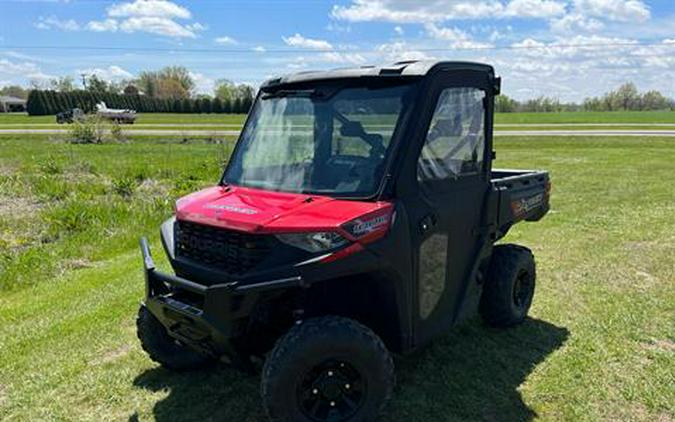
pixel 50 166
pixel 94 130
pixel 124 186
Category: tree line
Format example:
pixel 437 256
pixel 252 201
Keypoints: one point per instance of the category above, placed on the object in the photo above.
pixel 49 102
pixel 168 90
pixel 625 98
pixel 172 89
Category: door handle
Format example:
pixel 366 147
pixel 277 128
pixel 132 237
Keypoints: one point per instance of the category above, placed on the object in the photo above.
pixel 427 222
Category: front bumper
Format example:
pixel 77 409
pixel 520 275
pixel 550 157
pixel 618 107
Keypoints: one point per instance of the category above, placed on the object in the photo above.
pixel 202 317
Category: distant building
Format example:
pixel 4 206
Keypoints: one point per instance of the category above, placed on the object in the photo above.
pixel 11 104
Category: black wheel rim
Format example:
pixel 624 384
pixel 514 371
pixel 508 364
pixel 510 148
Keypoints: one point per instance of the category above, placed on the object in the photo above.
pixel 332 391
pixel 522 290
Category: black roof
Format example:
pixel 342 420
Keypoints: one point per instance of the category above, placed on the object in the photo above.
pixel 399 69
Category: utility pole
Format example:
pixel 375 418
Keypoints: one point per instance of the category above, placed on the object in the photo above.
pixel 84 80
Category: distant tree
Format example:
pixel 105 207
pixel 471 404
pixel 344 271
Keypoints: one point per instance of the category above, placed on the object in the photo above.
pixel 217 105
pixel 227 106
pixel 148 83
pixel 235 98
pixel 130 89
pixel 14 91
pixel 171 88
pixel 63 84
pixel 96 85
pixel 627 97
pixel 224 90
pixel 34 104
pixel 237 105
pixel 504 104
pixel 654 100
pixel 179 74
pixel 204 104
pixel 186 105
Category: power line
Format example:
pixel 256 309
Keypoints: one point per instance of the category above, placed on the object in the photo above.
pixel 344 51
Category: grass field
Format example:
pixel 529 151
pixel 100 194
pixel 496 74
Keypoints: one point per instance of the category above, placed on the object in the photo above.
pixel 600 343
pixel 579 119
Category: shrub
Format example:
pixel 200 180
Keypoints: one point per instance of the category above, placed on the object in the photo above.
pixel 50 166
pixel 116 133
pixel 124 186
pixel 74 217
pixel 91 130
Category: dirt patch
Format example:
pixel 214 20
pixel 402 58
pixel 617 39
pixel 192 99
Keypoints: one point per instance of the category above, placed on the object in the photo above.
pixel 7 170
pixel 18 206
pixel 77 264
pixel 112 355
pixel 151 188
pixel 638 412
pixel 648 245
pixel 660 345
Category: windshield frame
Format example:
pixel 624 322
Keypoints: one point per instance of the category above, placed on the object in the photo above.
pixel 334 86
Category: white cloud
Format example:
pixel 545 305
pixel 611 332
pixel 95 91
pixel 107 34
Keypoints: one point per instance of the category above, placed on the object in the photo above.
pixel 157 25
pixel 107 25
pixel 152 16
pixel 617 10
pixel 149 8
pixel 52 22
pixel 21 72
pixel 400 50
pixel 398 30
pixel 111 73
pixel 406 11
pixel 298 40
pixel 259 49
pixel 197 27
pixel 534 8
pixel 203 83
pixel 225 40
pixel 574 22
pixel 342 58
pixel 456 37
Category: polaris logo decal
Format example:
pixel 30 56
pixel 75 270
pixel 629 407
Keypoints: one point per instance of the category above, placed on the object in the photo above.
pixel 363 227
pixel 525 205
pixel 232 208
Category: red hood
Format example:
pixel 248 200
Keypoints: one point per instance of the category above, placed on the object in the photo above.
pixel 255 210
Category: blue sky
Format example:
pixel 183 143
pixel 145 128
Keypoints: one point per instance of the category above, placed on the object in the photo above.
pixel 568 49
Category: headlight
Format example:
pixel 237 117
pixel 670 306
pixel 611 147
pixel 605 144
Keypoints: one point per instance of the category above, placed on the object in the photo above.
pixel 313 241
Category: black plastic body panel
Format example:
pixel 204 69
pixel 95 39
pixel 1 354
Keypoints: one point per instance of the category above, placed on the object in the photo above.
pixel 472 213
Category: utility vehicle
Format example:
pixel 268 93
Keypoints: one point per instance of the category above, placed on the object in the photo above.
pixel 356 217
pixel 122 116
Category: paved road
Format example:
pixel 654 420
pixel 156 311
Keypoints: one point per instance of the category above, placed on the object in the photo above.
pixel 173 132
pixel 238 125
pixel 170 132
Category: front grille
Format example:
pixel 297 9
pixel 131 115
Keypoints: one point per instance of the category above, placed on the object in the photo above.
pixel 227 250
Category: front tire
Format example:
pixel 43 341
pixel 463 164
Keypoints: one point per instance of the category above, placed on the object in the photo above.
pixel 164 349
pixel 509 288
pixel 327 369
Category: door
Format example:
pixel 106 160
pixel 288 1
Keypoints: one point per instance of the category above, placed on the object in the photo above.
pixel 446 209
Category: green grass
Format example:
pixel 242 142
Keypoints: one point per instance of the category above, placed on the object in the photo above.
pixel 144 118
pixel 599 345
pixel 500 118
pixel 588 117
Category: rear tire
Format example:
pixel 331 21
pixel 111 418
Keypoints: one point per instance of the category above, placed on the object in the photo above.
pixel 163 348
pixel 509 288
pixel 328 368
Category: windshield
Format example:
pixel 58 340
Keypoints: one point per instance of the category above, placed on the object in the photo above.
pixel 331 141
